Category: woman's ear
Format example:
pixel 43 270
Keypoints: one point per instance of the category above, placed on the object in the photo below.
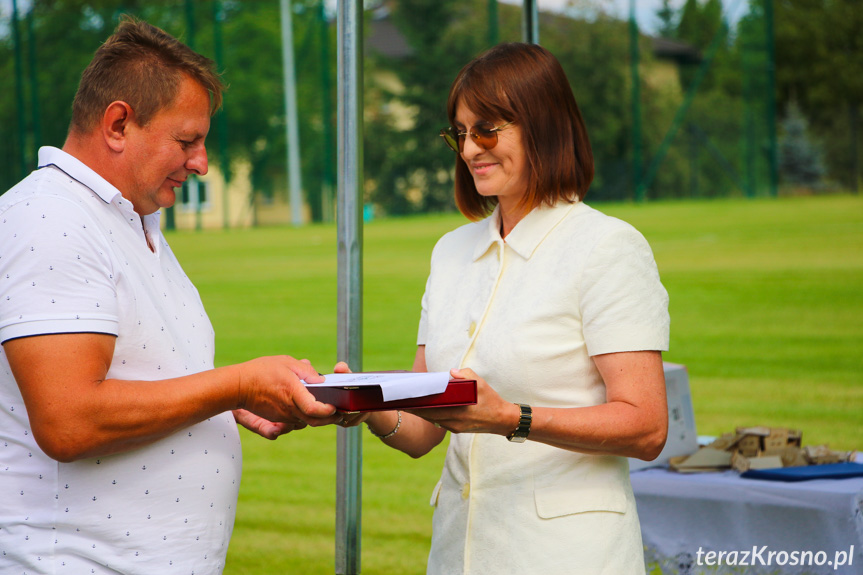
pixel 115 124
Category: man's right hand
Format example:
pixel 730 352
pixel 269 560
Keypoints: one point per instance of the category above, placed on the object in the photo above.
pixel 271 388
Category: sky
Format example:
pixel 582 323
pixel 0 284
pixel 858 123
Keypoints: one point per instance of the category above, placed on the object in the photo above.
pixel 645 9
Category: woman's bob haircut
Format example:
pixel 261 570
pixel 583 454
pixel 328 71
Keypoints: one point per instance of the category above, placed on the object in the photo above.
pixel 525 84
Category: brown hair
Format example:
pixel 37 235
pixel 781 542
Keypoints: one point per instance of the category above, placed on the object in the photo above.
pixel 143 66
pixel 525 84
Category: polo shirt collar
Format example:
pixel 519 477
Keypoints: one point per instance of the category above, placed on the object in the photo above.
pixel 78 170
pixel 528 233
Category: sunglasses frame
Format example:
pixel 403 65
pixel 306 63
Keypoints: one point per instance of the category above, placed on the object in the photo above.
pixel 450 135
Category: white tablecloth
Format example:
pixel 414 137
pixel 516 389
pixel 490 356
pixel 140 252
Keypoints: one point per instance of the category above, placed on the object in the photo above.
pixel 682 515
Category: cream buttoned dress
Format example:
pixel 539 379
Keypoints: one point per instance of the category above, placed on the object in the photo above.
pixel 527 314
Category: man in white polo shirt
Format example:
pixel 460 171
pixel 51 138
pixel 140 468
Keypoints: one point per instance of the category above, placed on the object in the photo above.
pixel 119 450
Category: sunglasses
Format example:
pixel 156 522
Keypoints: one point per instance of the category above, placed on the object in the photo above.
pixel 484 135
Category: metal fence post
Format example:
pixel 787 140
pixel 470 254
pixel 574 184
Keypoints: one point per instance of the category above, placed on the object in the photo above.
pixel 23 166
pixel 530 22
pixel 770 96
pixel 636 103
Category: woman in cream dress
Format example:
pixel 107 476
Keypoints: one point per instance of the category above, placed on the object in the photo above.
pixel 558 312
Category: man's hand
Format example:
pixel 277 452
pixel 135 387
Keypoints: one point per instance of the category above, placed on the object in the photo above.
pixel 264 427
pixel 270 388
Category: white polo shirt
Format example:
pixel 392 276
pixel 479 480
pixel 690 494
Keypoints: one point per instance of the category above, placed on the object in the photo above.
pixel 527 314
pixel 74 258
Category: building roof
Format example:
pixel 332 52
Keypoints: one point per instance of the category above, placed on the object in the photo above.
pixel 387 40
pixel 384 38
pixel 680 52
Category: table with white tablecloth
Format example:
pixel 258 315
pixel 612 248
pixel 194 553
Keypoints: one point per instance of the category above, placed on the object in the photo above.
pixel 722 523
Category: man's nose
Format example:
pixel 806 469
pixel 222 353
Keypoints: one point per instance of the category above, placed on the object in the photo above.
pixel 197 161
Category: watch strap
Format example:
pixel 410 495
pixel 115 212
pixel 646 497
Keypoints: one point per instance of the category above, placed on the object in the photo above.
pixel 523 429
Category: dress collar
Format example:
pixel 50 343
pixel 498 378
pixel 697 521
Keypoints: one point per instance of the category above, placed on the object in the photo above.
pixel 527 234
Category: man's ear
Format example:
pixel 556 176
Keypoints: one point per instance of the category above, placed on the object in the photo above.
pixel 115 124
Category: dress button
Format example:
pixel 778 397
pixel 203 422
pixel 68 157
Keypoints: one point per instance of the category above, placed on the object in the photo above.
pixel 465 491
pixel 472 329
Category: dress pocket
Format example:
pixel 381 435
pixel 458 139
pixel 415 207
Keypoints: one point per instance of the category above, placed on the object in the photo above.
pixel 559 500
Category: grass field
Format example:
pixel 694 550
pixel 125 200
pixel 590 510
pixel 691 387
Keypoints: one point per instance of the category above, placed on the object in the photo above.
pixel 766 311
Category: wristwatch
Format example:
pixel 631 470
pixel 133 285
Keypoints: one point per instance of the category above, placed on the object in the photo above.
pixel 521 432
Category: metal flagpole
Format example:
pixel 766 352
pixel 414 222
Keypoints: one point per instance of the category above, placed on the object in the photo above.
pixel 221 117
pixel 350 274
pixel 329 178
pixel 291 117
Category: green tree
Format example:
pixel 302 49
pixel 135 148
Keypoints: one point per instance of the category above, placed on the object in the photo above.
pixel 408 167
pixel 800 159
pixel 747 81
pixel 67 33
pixel 701 25
pixel 595 57
pixel 64 37
pixel 819 63
pixel 666 14
pixel 721 104
pixel 255 101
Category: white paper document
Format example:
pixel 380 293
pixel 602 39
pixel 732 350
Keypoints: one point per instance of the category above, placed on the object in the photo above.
pixel 396 385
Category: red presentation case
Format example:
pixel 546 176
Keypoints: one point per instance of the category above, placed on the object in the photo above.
pixel 370 398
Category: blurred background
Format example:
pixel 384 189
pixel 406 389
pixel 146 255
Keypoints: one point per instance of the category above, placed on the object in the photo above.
pixel 726 131
pixel 682 98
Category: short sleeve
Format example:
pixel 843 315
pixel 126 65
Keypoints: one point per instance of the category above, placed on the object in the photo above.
pixel 422 331
pixel 623 303
pixel 55 272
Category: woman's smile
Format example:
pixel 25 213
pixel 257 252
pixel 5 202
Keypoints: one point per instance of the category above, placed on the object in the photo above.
pixel 482 168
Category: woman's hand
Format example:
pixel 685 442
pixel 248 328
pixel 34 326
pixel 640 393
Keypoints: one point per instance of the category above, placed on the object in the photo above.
pixel 341 367
pixel 491 414
pixel 349 418
pixel 413 436
pixel 353 418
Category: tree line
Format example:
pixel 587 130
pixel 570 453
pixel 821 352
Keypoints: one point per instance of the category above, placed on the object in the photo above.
pixel 706 112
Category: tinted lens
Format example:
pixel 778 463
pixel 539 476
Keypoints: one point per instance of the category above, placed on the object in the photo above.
pixel 484 135
pixel 484 130
pixel 451 138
